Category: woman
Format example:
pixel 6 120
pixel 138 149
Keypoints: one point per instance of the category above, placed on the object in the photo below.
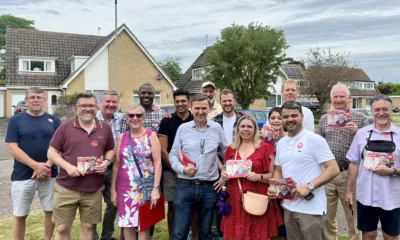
pixel 273 131
pixel 126 188
pixel 239 224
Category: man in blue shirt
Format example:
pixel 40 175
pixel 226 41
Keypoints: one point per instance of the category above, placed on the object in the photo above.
pixel 28 137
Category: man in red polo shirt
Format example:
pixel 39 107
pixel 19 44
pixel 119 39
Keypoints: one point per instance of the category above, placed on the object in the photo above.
pixel 80 138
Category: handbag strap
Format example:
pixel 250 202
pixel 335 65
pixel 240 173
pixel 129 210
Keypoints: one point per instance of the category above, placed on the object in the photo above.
pixel 240 187
pixel 134 155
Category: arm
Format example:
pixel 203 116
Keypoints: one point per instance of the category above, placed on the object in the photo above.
pixel 173 154
pixel 164 151
pixel 271 170
pixel 352 174
pixel 156 153
pixel 309 121
pixel 40 168
pixel 113 188
pixel 277 175
pixel 54 156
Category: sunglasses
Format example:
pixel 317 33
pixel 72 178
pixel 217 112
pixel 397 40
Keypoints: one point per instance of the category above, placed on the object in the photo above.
pixel 132 115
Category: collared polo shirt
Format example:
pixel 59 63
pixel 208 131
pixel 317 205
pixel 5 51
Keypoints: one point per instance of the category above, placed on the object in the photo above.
pixel 73 141
pixel 372 189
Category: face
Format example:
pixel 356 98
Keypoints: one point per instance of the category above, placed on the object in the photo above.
pixel 35 102
pixel 109 104
pixel 208 91
pixel 135 118
pixel 383 160
pixel 275 121
pixel 292 120
pixel 228 103
pixel 289 92
pixel 284 188
pixel 87 109
pixel 246 129
pixel 200 110
pixel 181 104
pixel 341 116
pixel 241 166
pixel 146 96
pixel 382 111
pixel 339 98
pixel 92 164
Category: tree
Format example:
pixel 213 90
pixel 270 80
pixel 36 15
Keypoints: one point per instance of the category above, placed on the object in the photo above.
pixel 246 60
pixel 10 21
pixel 389 88
pixel 65 108
pixel 171 66
pixel 325 69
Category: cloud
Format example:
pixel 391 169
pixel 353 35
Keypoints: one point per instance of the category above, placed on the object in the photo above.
pixel 86 10
pixel 53 12
pixel 76 1
pixel 18 2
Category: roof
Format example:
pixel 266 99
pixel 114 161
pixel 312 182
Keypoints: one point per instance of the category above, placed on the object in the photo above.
pixel 354 74
pixel 292 70
pixel 22 42
pixel 363 92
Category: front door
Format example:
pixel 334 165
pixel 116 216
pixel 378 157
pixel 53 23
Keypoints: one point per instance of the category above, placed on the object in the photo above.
pixel 52 100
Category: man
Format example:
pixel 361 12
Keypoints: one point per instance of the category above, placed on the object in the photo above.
pixel 339 140
pixel 284 190
pixel 108 113
pixel 305 157
pixel 153 113
pixel 289 93
pixel 378 189
pixel 199 140
pixel 28 137
pixel 92 165
pixel 82 136
pixel 166 134
pixel 342 118
pixel 208 89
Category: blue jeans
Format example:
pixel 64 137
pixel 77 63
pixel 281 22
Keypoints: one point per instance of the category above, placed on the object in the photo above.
pixel 186 195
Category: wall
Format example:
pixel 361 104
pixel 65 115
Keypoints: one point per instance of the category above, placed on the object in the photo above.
pixel 96 73
pixel 77 84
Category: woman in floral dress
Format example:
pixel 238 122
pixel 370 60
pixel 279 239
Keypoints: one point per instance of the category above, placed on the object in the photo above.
pixel 126 189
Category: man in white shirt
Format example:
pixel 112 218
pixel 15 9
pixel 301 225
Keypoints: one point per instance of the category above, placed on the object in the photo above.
pixel 289 93
pixel 305 157
pixel 208 89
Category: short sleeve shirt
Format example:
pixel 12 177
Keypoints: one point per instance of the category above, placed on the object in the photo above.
pixel 300 158
pixel 33 135
pixel 73 141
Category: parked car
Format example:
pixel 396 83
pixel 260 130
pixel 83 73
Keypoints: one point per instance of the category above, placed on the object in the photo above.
pixel 367 113
pixel 309 105
pixel 395 109
pixel 261 116
pixel 169 108
pixel 20 107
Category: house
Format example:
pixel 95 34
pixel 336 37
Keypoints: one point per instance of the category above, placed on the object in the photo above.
pixel 65 63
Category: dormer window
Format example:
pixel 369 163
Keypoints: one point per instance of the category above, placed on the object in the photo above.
pixel 37 64
pixel 198 73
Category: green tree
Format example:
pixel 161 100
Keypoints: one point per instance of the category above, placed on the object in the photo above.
pixel 171 67
pixel 389 88
pixel 246 60
pixel 65 108
pixel 10 21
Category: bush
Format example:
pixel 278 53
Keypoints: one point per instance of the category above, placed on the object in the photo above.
pixel 65 108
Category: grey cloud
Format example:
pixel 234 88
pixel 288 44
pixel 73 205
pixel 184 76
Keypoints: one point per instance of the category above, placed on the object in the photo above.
pixel 18 2
pixel 183 26
pixel 382 66
pixel 76 1
pixel 86 10
pixel 53 12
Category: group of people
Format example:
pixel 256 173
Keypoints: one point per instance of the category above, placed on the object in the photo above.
pixel 141 157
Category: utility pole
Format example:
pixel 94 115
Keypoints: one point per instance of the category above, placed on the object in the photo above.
pixel 98 31
pixel 116 48
pixel 207 39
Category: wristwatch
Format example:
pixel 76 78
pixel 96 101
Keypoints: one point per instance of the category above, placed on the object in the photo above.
pixel 310 186
pixel 395 173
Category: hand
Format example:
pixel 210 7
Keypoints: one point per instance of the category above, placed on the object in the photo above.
pixel 349 199
pixel 155 196
pixel 301 191
pixel 101 169
pixel 190 171
pixel 351 127
pixel 218 185
pixel 382 170
pixel 38 177
pixel 156 106
pixel 168 115
pixel 271 193
pixel 224 176
pixel 114 198
pixel 74 171
pixel 253 177
pixel 42 169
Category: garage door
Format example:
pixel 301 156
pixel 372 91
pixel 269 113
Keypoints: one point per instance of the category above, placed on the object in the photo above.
pixel 1 104
pixel 16 97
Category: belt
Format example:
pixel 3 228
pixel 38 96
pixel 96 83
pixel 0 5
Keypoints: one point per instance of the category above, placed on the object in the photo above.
pixel 196 181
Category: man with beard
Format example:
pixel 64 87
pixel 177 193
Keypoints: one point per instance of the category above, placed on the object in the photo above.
pixel 28 137
pixel 289 93
pixel 108 113
pixel 305 157
pixel 166 134
pixel 208 89
pixel 378 189
pixel 339 140
pixel 82 136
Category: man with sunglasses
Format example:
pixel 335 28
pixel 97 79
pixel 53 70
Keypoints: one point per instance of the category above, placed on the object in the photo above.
pixel 305 157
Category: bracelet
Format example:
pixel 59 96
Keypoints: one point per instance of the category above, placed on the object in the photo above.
pixel 156 187
pixel 109 161
pixel 262 177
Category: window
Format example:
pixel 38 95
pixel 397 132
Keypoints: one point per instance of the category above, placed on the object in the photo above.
pixel 53 100
pixel 368 85
pixel 274 100
pixel 198 73
pixel 358 85
pixel 157 98
pixel 37 65
pixel 98 94
pixel 303 98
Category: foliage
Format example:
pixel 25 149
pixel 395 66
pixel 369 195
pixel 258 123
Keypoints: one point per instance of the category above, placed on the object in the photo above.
pixel 65 108
pixel 246 60
pixel 10 21
pixel 325 69
pixel 171 66
pixel 389 88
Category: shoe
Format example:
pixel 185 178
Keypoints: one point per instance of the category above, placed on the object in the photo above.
pixel 190 237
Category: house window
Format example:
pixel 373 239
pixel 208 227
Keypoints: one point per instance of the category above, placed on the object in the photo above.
pixel 198 73
pixel 157 98
pixel 274 100
pixel 37 65
pixel 358 85
pixel 303 98
pixel 368 85
pixel 98 94
pixel 53 100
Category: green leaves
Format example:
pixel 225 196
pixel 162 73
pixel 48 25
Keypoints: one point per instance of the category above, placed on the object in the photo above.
pixel 10 21
pixel 171 67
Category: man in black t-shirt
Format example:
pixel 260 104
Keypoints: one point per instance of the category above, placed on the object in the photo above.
pixel 166 134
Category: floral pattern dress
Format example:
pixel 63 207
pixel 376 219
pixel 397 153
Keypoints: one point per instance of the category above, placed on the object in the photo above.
pixel 129 190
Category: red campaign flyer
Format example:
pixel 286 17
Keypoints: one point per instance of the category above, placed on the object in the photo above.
pixel 374 159
pixel 238 168
pixel 185 160
pixel 88 164
pixel 338 118
pixel 283 187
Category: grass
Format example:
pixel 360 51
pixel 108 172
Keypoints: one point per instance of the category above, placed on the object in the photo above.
pixel 35 228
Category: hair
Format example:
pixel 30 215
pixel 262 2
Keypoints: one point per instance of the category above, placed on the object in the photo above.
pixel 134 106
pixel 111 92
pixel 274 109
pixel 381 97
pixel 198 98
pixel 226 91
pixel 36 90
pixel 238 140
pixel 340 85
pixel 292 105
pixel 181 92
pixel 290 81
pixel 85 95
pixel 146 85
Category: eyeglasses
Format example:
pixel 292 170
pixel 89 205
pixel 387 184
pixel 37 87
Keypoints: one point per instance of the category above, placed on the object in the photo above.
pixel 35 98
pixel 87 105
pixel 202 142
pixel 132 115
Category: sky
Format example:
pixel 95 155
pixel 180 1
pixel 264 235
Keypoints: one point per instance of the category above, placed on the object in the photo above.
pixel 367 30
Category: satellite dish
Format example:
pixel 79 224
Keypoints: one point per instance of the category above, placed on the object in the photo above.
pixel 159 76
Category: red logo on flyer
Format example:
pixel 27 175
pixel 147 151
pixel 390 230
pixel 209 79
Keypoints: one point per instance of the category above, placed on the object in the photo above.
pixel 94 143
pixel 387 135
pixel 347 114
pixel 390 156
pixel 299 145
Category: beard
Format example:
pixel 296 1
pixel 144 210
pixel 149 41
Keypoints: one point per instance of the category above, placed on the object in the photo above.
pixel 86 117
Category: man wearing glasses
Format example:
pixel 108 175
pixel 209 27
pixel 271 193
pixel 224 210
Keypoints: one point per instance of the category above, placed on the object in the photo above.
pixel 82 136
pixel 28 137
pixel 199 140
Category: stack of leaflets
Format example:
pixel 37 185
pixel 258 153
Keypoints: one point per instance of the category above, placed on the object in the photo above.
pixel 283 187
pixel 185 160
pixel 238 168
pixel 88 164
pixel 374 159
pixel 269 134
pixel 338 118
